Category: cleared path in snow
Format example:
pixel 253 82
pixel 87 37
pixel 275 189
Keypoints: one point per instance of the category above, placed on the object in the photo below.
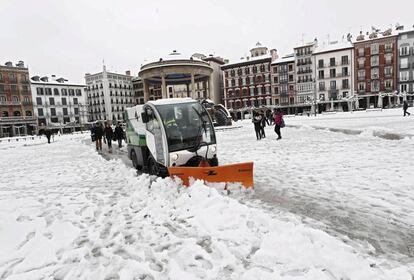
pixel 360 186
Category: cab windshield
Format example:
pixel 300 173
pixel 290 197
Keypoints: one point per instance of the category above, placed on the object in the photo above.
pixel 186 125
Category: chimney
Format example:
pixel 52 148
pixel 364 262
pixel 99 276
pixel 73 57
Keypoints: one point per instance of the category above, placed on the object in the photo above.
pixel 9 64
pixel 128 73
pixel 20 64
pixel 273 53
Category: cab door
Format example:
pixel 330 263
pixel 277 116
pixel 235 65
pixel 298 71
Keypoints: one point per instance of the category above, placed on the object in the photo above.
pixel 154 136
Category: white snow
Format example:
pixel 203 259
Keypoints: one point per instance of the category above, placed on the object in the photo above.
pixel 67 213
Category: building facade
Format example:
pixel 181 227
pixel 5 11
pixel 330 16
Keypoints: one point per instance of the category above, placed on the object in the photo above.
pixel 59 103
pixel 406 64
pixel 375 58
pixel 334 75
pixel 305 83
pixel 16 105
pixel 138 90
pixel 247 83
pixel 283 77
pixel 108 94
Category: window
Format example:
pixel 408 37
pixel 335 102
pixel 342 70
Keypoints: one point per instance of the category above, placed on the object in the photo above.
pixel 333 85
pixel 290 67
pixel 56 91
pixel 344 71
pixel 374 60
pixel 247 70
pixel 388 71
pixel 78 92
pixel 75 101
pixel 361 52
pixel 71 92
pixel 51 101
pixel 374 49
pixel 344 60
pixel 40 112
pixel 361 74
pixel 16 113
pixel 361 86
pixel 404 62
pixel 404 76
pixel 361 62
pixel 404 50
pixel 64 92
pixel 345 84
pixel 321 86
pixel 53 111
pixel 320 63
pixel 76 111
pixel 38 100
pixel 276 90
pixel 388 84
pixel 403 88
pixel 332 73
pixel 254 69
pixel 375 85
pixel 388 58
pixel 275 80
pixel 65 111
pixel 332 61
pixel 39 91
pixel 15 99
pixel 290 78
pixel 64 101
pixel 374 73
pixel 321 74
pixel 48 91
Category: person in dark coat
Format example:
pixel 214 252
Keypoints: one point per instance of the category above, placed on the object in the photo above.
pixel 257 121
pixel 405 108
pixel 263 125
pixel 97 133
pixel 119 134
pixel 278 123
pixel 47 133
pixel 108 132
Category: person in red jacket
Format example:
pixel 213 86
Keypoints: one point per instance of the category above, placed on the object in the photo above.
pixel 279 122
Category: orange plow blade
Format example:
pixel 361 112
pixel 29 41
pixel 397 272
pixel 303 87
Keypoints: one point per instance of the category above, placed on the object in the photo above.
pixel 239 172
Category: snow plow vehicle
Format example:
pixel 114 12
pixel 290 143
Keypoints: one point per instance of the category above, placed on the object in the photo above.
pixel 176 137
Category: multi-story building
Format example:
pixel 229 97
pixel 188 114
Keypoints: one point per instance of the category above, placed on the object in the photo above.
pixel 247 82
pixel 138 88
pixel 334 75
pixel 375 61
pixel 16 107
pixel 284 83
pixel 108 94
pixel 59 103
pixel 305 73
pixel 406 64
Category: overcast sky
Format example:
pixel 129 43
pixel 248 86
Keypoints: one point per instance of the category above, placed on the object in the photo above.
pixel 71 37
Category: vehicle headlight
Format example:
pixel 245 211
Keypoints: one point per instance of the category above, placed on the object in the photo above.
pixel 174 157
pixel 214 148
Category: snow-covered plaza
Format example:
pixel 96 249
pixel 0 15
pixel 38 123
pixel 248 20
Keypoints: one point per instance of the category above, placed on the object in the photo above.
pixel 334 199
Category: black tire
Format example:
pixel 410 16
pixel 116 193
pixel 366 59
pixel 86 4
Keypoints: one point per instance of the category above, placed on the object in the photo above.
pixel 135 161
pixel 153 167
pixel 221 118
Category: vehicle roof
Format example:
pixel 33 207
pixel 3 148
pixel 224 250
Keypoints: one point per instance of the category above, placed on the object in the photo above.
pixel 169 101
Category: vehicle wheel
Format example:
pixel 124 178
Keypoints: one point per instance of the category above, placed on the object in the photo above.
pixel 135 160
pixel 221 117
pixel 152 167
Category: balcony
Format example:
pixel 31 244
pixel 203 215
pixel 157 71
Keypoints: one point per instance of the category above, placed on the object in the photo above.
pixel 304 71
pixel 10 103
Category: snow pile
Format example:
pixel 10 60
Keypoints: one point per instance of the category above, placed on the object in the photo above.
pixel 66 213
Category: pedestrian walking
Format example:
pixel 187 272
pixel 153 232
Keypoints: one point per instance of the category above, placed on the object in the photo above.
pixel 257 121
pixel 48 134
pixel 279 123
pixel 97 133
pixel 119 134
pixel 405 108
pixel 263 125
pixel 108 132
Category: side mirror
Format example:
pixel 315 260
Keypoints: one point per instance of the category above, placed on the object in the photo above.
pixel 144 117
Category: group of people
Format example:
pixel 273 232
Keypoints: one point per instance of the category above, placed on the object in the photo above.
pixel 260 120
pixel 108 134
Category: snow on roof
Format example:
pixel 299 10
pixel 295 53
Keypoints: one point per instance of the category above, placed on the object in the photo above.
pixel 169 101
pixel 333 46
pixel 285 59
pixel 369 36
pixel 250 59
pixel 53 81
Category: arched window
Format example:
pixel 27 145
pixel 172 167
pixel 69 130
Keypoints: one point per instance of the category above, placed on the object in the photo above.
pixel 15 98
pixel 56 91
pixel 16 113
pixel 5 114
pixel 28 113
